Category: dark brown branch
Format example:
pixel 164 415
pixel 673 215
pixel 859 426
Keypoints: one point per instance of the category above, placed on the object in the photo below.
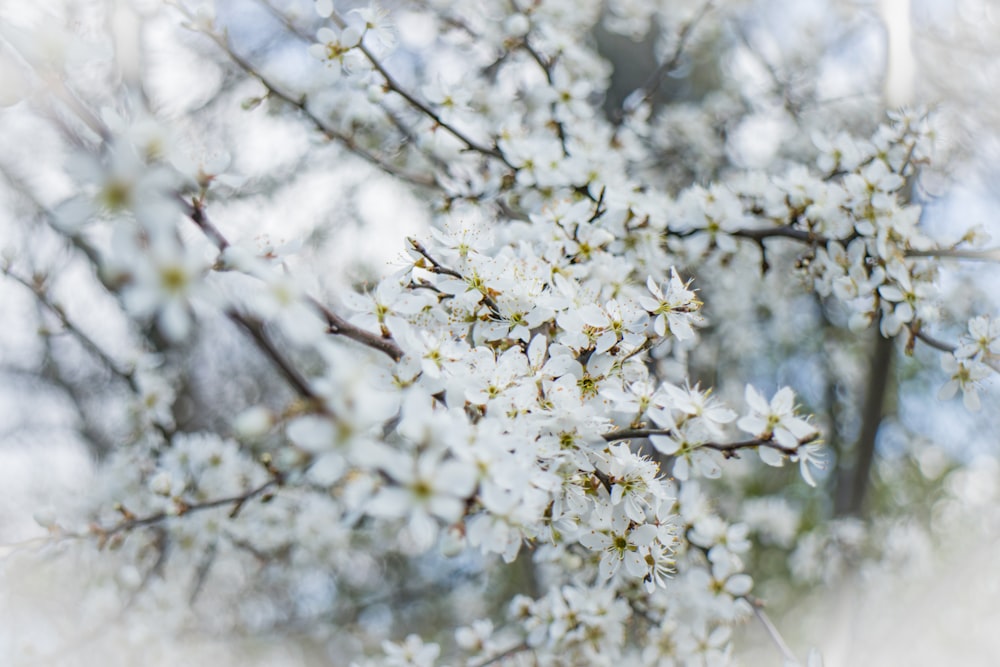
pixel 728 449
pixel 338 325
pixel 437 266
pixel 635 433
pixel 932 342
pixel 256 331
pixel 604 479
pixel 785 231
pixel 195 210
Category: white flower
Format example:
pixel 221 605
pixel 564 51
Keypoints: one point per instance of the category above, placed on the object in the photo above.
pixel 426 488
pixel 675 307
pixel 333 46
pixel 387 307
pixel 684 443
pixel 966 375
pixel 412 652
pixel 377 24
pixel 696 403
pixel 806 455
pixel 775 420
pixel 162 283
pixel 983 339
pixel 324 8
pixel 622 546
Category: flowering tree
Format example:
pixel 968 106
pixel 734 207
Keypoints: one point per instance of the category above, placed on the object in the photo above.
pixel 500 449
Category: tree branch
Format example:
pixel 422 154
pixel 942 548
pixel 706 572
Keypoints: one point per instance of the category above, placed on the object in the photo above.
pixel 38 289
pixel 395 86
pixel 853 482
pixel 513 650
pixel 256 331
pixel 984 255
pixel 654 80
pixel 300 104
pixel 336 324
pixel 131 523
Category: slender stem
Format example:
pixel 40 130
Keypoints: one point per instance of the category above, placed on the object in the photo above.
pixel 729 449
pixel 513 650
pixel 634 433
pixel 930 341
pixel 395 86
pixel 772 630
pixel 131 523
pixel 546 67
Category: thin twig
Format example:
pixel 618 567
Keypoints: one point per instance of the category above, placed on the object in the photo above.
pixel 986 255
pixel 654 80
pixel 300 103
pixel 407 132
pixel 772 631
pixel 437 267
pixel 728 449
pixel 335 323
pixel 140 522
pixel 86 341
pixel 513 650
pixel 396 87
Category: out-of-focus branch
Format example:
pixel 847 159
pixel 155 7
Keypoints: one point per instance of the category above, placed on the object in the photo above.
pixel 654 80
pixel 984 255
pixel 133 522
pixel 336 324
pixel 853 482
pixel 300 103
pixel 513 650
pixel 37 288
pixel 256 331
pixel 772 631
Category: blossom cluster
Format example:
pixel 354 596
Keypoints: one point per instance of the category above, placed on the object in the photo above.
pixel 519 386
